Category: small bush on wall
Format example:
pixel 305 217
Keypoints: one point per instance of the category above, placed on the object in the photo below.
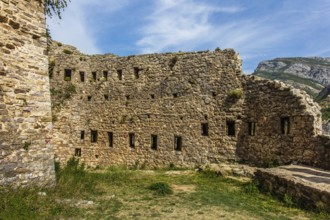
pixel 235 94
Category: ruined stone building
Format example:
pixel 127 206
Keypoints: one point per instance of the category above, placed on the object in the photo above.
pixel 180 109
pixel 26 152
pixel 155 110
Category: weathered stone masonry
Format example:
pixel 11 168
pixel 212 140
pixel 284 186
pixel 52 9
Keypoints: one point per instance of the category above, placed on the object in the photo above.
pixel 26 153
pixel 177 108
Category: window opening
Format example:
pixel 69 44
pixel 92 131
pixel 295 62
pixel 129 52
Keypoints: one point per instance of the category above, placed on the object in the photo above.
pixel 131 140
pixel 105 74
pixel 110 139
pixel 154 141
pixel 178 143
pixel 77 152
pixel 136 72
pixel 106 97
pixel 205 129
pixel 94 76
pixel 82 136
pixel 67 74
pixel 230 128
pixel 152 96
pixel 82 76
pixel 252 128
pixel 93 136
pixel 175 95
pixel 89 98
pixel 120 74
pixel 285 125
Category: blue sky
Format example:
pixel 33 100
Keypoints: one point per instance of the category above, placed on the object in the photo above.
pixel 257 29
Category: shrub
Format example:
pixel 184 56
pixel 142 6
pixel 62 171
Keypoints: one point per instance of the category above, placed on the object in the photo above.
pixel 217 49
pixel 235 94
pixel 66 51
pixel 161 188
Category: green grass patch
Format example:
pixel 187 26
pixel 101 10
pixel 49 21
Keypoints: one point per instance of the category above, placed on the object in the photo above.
pixel 118 193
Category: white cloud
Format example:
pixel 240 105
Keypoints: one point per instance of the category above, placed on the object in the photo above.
pixel 74 28
pixel 177 24
pixel 257 34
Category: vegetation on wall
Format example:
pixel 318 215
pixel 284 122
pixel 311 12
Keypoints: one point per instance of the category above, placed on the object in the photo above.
pixel 61 94
pixel 235 94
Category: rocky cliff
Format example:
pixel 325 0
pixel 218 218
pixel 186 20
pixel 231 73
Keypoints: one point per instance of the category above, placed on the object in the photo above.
pixel 310 74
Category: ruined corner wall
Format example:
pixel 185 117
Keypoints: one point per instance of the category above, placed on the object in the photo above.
pixel 268 105
pixel 26 154
pixel 172 95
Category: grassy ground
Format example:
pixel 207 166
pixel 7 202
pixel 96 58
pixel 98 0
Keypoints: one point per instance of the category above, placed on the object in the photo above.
pixel 117 193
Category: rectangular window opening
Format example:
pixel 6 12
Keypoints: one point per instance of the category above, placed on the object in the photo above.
pixel 128 97
pixel 152 96
pixel 82 76
pixel 131 140
pixel 82 136
pixel 110 139
pixel 154 141
pixel 77 152
pixel 230 128
pixel 285 125
pixel 89 98
pixel 178 143
pixel 252 128
pixel 136 72
pixel 67 74
pixel 93 136
pixel 175 95
pixel 94 76
pixel 106 97
pixel 205 129
pixel 105 74
pixel 120 74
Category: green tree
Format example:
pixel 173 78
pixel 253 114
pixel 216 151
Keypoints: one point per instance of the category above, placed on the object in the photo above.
pixel 55 7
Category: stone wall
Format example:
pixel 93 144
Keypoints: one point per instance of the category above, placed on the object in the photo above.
pixel 26 153
pixel 300 185
pixel 286 122
pixel 176 94
pixel 172 95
